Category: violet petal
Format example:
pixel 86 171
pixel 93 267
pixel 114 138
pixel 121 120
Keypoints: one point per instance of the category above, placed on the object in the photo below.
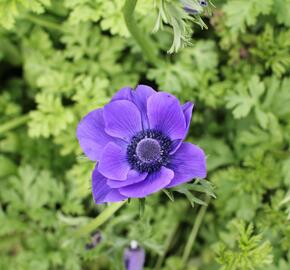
pixel 154 182
pixel 113 162
pixel 187 163
pixel 165 114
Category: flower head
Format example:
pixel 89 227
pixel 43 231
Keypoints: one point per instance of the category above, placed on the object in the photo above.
pixel 137 141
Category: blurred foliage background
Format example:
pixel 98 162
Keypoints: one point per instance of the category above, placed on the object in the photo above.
pixel 59 59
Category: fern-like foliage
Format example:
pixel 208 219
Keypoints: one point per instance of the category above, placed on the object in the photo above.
pixel 11 9
pixel 242 249
pixel 60 59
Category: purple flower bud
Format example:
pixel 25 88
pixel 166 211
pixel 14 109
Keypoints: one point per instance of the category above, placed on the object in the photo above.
pixel 134 257
pixel 190 10
pixel 96 238
pixel 190 7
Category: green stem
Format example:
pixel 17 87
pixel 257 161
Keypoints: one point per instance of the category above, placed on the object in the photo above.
pixel 147 46
pixel 194 231
pixel 14 123
pixel 167 245
pixel 44 23
pixel 100 219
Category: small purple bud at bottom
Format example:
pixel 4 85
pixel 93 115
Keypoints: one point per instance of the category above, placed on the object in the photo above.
pixel 134 257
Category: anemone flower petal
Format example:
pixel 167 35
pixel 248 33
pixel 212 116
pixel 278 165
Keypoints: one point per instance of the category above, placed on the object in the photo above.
pixel 123 94
pixel 122 119
pixel 187 163
pixel 102 193
pixel 133 177
pixel 140 97
pixel 113 163
pixel 187 111
pixel 165 114
pixel 154 182
pixel 92 136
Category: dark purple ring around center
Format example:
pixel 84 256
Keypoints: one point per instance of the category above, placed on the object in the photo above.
pixel 148 151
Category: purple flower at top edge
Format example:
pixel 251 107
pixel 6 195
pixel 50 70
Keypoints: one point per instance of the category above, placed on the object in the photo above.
pixel 189 7
pixel 137 141
pixel 191 10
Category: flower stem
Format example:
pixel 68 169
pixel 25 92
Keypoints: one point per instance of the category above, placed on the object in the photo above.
pixel 147 46
pixel 14 123
pixel 167 245
pixel 100 219
pixel 194 231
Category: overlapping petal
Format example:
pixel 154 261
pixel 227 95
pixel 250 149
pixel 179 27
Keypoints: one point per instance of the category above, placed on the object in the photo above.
pixel 187 111
pixel 122 119
pixel 123 94
pixel 101 191
pixel 188 162
pixel 113 162
pixel 92 136
pixel 133 177
pixel 139 97
pixel 165 114
pixel 153 183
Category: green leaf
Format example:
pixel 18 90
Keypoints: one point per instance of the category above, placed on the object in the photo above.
pixel 187 189
pixel 169 194
pixel 245 99
pixel 7 166
pixel 246 251
pixel 244 13
pixel 282 10
pixel 51 118
pixel 11 9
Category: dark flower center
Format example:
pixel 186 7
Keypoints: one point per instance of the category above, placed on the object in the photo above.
pixel 148 151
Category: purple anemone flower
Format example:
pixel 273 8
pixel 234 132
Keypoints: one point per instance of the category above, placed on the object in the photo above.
pixel 137 141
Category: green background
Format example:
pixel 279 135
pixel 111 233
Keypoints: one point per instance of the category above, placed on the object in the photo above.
pixel 61 59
